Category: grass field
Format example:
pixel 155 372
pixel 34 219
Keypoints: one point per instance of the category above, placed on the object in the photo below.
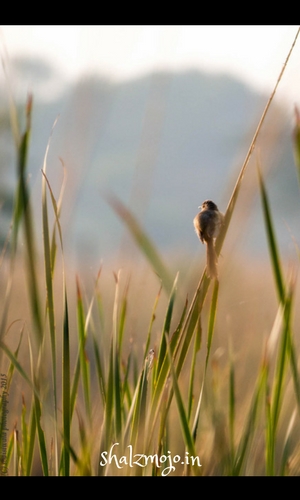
pixel 152 370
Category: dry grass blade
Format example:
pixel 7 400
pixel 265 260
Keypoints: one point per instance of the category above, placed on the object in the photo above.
pixel 143 241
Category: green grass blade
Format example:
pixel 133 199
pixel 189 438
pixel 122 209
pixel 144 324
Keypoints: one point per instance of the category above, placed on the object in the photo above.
pixel 117 393
pixel 283 357
pixel 84 465
pixel 286 349
pixel 153 316
pixel 56 209
pixel 274 400
pixel 66 391
pixel 21 199
pixel 183 417
pixel 107 425
pixel 196 349
pixel 122 318
pixel 17 365
pixel 112 424
pixel 212 319
pixel 49 271
pixel 5 386
pixel 35 376
pixel 75 385
pixel 82 361
pixel 25 436
pixel 66 383
pixel 41 436
pixel 191 323
pixel 96 349
pixel 32 434
pixel 99 370
pixel 250 426
pixel 23 210
pixel 126 385
pixel 84 365
pixel 116 362
pixel 271 239
pixel 109 401
pixel 9 450
pixel 166 327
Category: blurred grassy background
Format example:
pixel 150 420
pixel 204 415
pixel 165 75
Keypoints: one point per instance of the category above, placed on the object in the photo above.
pixel 162 165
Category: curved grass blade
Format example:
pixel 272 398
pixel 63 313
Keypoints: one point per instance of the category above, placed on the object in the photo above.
pixel 285 298
pixel 17 365
pixel 271 239
pixel 142 240
pixel 66 383
pixel 22 210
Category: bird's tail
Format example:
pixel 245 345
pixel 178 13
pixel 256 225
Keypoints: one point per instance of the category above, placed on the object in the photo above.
pixel 211 259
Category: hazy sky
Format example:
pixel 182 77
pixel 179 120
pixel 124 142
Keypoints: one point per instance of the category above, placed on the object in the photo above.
pixel 254 53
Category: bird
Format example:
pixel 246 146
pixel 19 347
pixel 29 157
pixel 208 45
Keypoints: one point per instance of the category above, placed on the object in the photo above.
pixel 207 224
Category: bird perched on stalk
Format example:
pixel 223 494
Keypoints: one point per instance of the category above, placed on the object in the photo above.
pixel 207 225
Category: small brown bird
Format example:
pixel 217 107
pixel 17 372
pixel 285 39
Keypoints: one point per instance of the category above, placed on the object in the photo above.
pixel 207 225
